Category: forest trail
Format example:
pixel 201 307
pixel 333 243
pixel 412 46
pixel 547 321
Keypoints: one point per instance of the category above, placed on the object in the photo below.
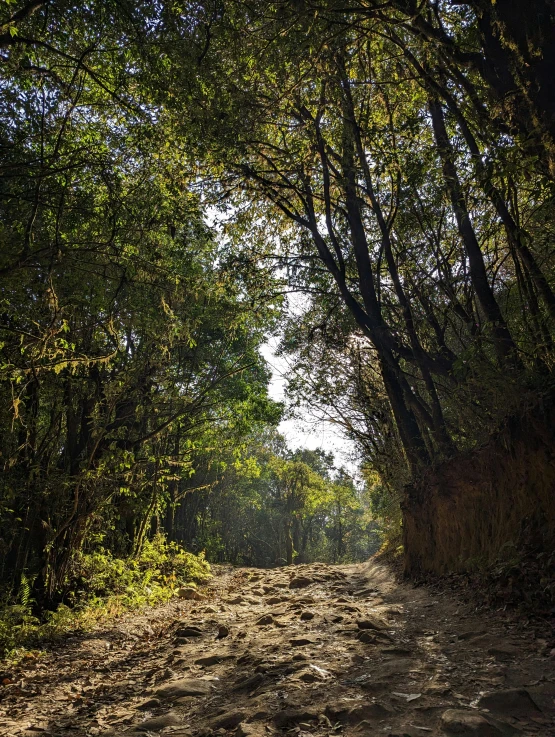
pixel 306 650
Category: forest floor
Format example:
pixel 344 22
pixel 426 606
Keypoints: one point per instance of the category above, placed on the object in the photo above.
pixel 313 650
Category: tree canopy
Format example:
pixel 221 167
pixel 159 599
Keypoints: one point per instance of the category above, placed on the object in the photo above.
pixel 171 173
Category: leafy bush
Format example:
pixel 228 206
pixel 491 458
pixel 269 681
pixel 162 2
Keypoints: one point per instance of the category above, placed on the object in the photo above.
pixel 385 506
pixel 147 578
pixel 101 586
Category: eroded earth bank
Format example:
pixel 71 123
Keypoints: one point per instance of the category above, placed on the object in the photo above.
pixel 307 650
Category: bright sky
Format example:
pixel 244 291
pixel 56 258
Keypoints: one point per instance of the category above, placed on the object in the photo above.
pixel 305 431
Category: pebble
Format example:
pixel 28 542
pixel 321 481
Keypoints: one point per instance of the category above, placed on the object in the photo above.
pixel 184 687
pixel 308 676
pixel 371 623
pixel 250 730
pixel 291 717
pixel 512 701
pixel 149 705
pixel 171 719
pixel 190 594
pixel 249 684
pixel 228 720
pixel 300 582
pixel 366 593
pixel 275 600
pixel 266 619
pixel 213 659
pixel 367 637
pixel 301 641
pixel 468 724
pixel 189 632
pixel 399 651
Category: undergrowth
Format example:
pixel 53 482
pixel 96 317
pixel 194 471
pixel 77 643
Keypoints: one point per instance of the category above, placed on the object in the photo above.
pixel 100 587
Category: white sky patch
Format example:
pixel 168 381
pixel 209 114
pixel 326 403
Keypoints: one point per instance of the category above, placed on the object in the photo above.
pixel 301 429
pixel 304 430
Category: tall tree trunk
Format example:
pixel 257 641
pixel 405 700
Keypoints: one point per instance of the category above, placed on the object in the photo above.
pixel 288 542
pixel 503 340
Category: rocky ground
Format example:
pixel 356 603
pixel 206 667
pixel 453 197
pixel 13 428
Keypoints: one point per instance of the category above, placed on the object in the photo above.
pixel 304 651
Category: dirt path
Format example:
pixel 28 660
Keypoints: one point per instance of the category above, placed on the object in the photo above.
pixel 314 650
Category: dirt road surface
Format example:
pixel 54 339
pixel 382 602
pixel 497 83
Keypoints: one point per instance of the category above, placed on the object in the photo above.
pixel 304 651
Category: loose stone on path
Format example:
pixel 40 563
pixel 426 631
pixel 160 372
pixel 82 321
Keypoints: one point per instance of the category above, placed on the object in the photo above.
pixel 326 651
pixel 184 687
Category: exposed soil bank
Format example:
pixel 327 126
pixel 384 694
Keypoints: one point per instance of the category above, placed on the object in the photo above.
pixel 480 507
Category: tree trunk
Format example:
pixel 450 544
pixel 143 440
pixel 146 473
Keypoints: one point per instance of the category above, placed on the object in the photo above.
pixel 504 343
pixel 288 542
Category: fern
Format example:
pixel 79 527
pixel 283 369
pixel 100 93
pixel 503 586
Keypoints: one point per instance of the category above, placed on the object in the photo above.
pixel 24 595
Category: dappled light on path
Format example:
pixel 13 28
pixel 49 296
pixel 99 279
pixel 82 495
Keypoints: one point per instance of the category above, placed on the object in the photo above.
pixel 303 650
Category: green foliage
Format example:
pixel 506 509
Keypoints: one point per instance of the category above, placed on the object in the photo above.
pixel 147 578
pixel 128 343
pixel 385 504
pixel 359 155
pixel 417 238
pixel 101 586
pixel 18 629
pixel 274 507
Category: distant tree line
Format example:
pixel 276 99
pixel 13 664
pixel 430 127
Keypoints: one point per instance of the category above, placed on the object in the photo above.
pixel 275 507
